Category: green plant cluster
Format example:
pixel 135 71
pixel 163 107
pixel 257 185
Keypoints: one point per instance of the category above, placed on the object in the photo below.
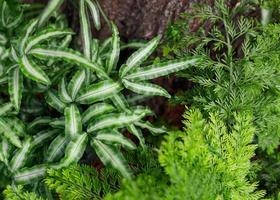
pixel 240 73
pixel 62 94
pixel 205 161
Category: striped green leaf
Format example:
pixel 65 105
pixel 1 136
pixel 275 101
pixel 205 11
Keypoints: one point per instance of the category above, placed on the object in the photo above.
pixel 148 89
pixel 56 148
pixel 138 133
pixel 53 100
pixel 110 155
pixel 29 175
pixel 99 91
pixel 115 120
pixel 41 137
pixel 133 45
pixel 94 50
pixel 73 122
pixel 74 151
pixel 96 110
pixel 76 83
pixel 5 108
pixel 20 156
pixel 51 7
pixel 94 13
pixel 45 35
pixel 157 70
pixel 150 127
pixel 30 28
pixel 11 135
pixel 114 51
pixel 71 57
pixel 120 102
pixel 32 71
pixel 38 123
pixel 139 56
pixel 58 123
pixel 15 82
pixel 4 151
pixel 114 137
pixel 17 126
pixel 63 93
pixel 85 29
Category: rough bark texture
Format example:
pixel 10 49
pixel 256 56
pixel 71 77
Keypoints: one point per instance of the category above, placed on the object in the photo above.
pixel 136 19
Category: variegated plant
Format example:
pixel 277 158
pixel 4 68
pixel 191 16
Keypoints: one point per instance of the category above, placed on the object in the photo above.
pixel 63 100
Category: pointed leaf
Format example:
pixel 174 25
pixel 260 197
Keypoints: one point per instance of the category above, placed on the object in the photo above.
pixel 39 121
pixel 94 13
pixel 5 108
pixel 114 137
pixel 53 100
pixel 15 82
pixel 29 175
pixel 99 91
pixel 96 110
pixel 151 128
pixel 73 122
pixel 20 156
pixel 139 56
pixel 58 123
pixel 74 151
pixel 114 120
pixel 138 133
pixel 45 35
pixel 69 56
pixel 51 7
pixel 41 137
pixel 76 83
pixel 30 28
pixel 63 93
pixel 32 71
pixel 85 30
pixel 146 88
pixel 9 133
pixel 157 70
pixel 110 155
pixel 114 51
pixel 56 148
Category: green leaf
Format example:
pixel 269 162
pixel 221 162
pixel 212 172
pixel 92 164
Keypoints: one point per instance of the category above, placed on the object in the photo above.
pixel 20 156
pixel 5 108
pixel 114 51
pixel 114 137
pixel 15 82
pixel 139 56
pixel 44 35
pixel 115 120
pixel 96 110
pixel 99 91
pixel 30 28
pixel 73 122
pixel 110 155
pixel 85 30
pixel 32 71
pixel 138 133
pixel 162 69
pixel 151 128
pixel 145 88
pixel 58 123
pixel 51 7
pixel 4 151
pixel 94 13
pixel 29 175
pixel 71 57
pixel 56 148
pixel 41 137
pixel 9 133
pixel 63 93
pixel 74 151
pixel 38 122
pixel 53 100
pixel 76 83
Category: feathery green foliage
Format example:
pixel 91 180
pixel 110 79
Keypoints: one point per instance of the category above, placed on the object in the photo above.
pixel 205 161
pixel 240 72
